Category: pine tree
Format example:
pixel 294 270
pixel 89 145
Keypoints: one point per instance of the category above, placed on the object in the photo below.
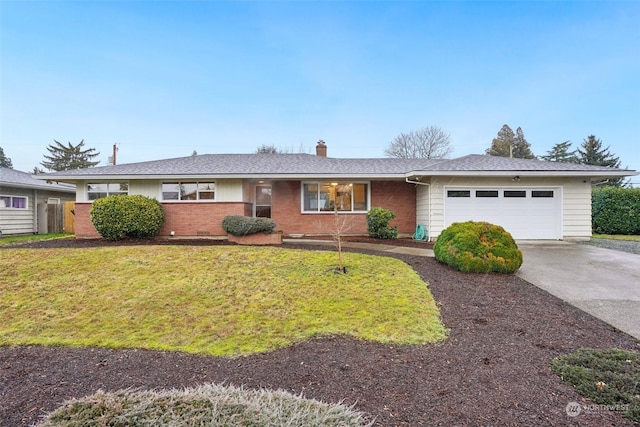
pixel 4 160
pixel 560 153
pixel 592 153
pixel 509 144
pixel 66 157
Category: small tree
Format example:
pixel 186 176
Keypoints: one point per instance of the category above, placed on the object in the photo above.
pixel 66 157
pixel 427 143
pixel 5 162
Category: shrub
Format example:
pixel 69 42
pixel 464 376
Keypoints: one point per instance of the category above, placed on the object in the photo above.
pixel 616 210
pixel 208 404
pixel 478 247
pixel 238 225
pixel 607 377
pixel 119 217
pixel 378 224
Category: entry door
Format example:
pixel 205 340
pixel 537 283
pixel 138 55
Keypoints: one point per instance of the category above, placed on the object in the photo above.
pixel 263 201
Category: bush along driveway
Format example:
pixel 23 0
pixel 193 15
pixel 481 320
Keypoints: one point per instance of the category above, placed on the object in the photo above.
pixel 493 368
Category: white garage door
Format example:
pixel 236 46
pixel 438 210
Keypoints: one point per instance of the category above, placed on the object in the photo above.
pixel 526 213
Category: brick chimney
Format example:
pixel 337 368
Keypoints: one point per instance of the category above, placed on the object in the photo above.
pixel 321 149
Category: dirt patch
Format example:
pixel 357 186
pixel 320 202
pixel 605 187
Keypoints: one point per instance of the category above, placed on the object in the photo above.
pixel 492 370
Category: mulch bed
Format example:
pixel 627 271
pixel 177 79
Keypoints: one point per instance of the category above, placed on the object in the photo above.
pixel 492 370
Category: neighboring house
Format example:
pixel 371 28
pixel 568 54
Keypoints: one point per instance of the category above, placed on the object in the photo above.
pixel 532 199
pixel 24 200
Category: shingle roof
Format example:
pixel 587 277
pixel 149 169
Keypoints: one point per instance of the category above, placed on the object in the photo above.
pixel 307 165
pixel 13 178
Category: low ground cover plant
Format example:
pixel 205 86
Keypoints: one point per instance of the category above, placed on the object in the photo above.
pixel 608 377
pixel 478 247
pixel 238 225
pixel 219 300
pixel 209 404
pixel 127 216
pixel 378 220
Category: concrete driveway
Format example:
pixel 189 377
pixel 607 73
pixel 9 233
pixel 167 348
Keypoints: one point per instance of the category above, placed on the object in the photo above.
pixel 603 282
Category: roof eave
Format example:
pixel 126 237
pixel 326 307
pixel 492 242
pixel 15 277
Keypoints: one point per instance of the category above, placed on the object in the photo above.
pixel 610 174
pixel 297 176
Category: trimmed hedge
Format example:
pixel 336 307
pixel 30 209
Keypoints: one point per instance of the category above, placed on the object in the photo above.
pixel 127 216
pixel 378 224
pixel 478 247
pixel 238 225
pixel 615 210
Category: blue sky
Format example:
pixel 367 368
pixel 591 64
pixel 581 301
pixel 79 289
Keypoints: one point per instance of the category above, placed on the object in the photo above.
pixel 164 78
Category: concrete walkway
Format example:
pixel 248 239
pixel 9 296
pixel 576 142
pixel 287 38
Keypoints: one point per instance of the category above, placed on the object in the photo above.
pixel 370 246
pixel 603 282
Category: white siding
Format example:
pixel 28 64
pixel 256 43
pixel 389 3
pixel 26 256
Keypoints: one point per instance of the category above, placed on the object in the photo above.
pixel 422 207
pixel 575 203
pixel 18 221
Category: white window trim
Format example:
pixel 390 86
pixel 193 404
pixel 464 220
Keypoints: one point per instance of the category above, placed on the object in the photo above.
pixel 340 182
pixel 108 193
pixel 26 205
pixel 198 200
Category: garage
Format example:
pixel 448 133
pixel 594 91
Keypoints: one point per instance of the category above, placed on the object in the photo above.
pixel 526 213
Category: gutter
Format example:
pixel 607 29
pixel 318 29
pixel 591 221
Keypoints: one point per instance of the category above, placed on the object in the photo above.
pixel 428 200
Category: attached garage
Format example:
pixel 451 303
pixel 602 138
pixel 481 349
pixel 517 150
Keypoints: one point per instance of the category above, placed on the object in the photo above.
pixel 525 212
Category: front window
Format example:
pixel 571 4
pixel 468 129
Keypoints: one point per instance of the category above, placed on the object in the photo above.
pixel 13 202
pixel 335 196
pixel 98 190
pixel 188 190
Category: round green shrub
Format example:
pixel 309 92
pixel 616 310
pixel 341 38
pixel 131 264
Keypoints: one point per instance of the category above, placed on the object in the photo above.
pixel 378 224
pixel 238 225
pixel 478 247
pixel 125 216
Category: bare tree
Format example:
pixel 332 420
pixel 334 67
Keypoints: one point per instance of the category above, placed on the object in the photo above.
pixel 430 142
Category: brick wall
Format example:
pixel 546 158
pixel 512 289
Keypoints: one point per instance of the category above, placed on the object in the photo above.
pixel 400 197
pixel 185 219
pixel 205 219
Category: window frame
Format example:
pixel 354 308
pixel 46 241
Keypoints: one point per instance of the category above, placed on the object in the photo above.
pixel 108 191
pixel 337 183
pixel 11 203
pixel 197 191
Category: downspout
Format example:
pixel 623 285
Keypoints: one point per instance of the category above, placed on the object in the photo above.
pixel 34 208
pixel 428 200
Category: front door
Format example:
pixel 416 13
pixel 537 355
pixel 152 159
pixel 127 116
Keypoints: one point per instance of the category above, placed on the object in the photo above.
pixel 263 201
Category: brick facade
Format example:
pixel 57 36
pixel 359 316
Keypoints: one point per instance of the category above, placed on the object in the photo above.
pixel 205 219
pixel 400 197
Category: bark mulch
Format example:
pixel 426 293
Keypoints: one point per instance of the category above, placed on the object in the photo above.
pixel 492 370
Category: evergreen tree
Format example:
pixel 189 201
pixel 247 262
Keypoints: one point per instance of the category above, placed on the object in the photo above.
pixel 4 160
pixel 560 153
pixel 66 157
pixel 509 144
pixel 591 152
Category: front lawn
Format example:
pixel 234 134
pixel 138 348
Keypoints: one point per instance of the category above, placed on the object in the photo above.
pixel 219 300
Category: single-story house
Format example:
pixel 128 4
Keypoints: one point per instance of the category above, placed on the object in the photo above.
pixel 532 199
pixel 24 201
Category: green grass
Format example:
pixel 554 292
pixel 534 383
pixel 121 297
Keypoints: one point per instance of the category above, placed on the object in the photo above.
pixel 5 240
pixel 211 405
pixel 217 300
pixel 607 377
pixel 617 237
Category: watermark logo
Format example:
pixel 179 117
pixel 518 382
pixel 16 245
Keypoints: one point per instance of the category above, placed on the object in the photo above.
pixel 573 409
